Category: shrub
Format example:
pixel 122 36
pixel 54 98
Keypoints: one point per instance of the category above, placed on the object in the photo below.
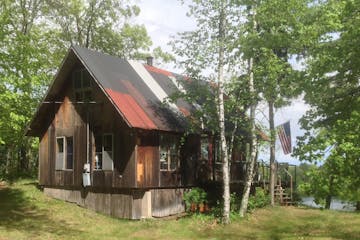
pixel 259 200
pixel 195 196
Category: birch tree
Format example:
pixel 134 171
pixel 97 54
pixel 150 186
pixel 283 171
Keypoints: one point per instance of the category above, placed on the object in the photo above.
pixel 279 34
pixel 207 52
pixel 251 160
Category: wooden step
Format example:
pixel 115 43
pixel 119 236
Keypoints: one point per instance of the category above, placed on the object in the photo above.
pixel 281 194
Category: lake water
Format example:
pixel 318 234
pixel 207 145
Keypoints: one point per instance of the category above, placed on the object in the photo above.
pixel 336 204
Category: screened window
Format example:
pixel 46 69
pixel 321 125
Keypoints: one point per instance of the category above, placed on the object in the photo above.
pixel 204 149
pixel 64 153
pixel 169 153
pixel 82 85
pixel 104 152
pixel 98 152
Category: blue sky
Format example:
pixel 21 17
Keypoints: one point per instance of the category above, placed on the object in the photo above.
pixel 164 19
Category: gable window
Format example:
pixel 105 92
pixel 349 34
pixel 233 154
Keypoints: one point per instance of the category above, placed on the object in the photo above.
pixel 169 152
pixel 64 153
pixel 82 85
pixel 104 152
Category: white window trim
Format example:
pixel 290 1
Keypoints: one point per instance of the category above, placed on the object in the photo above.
pixel 103 151
pixel 168 160
pixel 112 150
pixel 63 152
pixel 63 167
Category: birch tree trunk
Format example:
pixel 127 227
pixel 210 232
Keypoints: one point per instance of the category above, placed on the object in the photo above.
pixel 272 152
pixel 224 152
pixel 250 161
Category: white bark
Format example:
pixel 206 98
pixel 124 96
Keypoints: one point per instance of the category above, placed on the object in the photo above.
pixel 253 146
pixel 223 144
pixel 272 153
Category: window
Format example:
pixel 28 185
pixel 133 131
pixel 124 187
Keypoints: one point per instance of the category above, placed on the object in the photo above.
pixel 204 149
pixel 98 152
pixel 169 152
pixel 64 153
pixel 82 85
pixel 104 152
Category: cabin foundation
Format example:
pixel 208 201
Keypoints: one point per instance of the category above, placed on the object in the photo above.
pixel 128 204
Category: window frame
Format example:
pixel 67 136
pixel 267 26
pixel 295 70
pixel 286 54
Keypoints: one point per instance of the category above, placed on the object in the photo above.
pixel 82 92
pixel 204 141
pixel 65 153
pixel 170 141
pixel 102 136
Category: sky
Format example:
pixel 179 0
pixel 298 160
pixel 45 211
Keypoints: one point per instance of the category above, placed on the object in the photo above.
pixel 165 18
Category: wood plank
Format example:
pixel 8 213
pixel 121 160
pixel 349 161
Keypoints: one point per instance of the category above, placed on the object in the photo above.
pixel 124 162
pixel 44 173
pixel 52 149
pixel 166 202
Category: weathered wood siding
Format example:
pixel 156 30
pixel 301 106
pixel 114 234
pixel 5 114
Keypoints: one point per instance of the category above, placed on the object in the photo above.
pixel 127 203
pixel 44 165
pixel 70 120
pixel 166 202
pixel 124 164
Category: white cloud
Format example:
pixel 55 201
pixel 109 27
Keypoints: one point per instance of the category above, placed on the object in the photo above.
pixel 164 19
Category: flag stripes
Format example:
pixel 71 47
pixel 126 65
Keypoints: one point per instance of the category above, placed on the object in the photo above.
pixel 284 134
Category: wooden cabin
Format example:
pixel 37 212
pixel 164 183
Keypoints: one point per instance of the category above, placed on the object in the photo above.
pixel 108 141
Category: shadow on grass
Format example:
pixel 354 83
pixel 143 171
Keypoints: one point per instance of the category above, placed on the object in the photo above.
pixel 18 213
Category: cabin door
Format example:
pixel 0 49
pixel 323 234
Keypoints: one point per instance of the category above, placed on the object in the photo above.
pixel 144 168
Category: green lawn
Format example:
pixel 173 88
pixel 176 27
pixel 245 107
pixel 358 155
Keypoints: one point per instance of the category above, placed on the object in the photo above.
pixel 25 213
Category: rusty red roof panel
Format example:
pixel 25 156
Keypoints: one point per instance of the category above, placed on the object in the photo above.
pixel 157 70
pixel 131 110
pixel 184 111
pixel 133 91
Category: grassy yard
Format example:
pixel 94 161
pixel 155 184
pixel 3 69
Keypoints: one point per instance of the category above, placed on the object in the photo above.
pixel 25 213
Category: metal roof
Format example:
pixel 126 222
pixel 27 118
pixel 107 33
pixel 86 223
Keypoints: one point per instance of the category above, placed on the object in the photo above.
pixel 138 91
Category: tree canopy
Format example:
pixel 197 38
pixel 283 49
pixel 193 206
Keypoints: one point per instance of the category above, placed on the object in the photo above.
pixel 34 36
pixel 331 88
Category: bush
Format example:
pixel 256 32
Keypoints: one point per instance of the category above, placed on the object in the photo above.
pixel 195 196
pixel 259 200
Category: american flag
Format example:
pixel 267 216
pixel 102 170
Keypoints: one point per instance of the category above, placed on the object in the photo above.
pixel 284 134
